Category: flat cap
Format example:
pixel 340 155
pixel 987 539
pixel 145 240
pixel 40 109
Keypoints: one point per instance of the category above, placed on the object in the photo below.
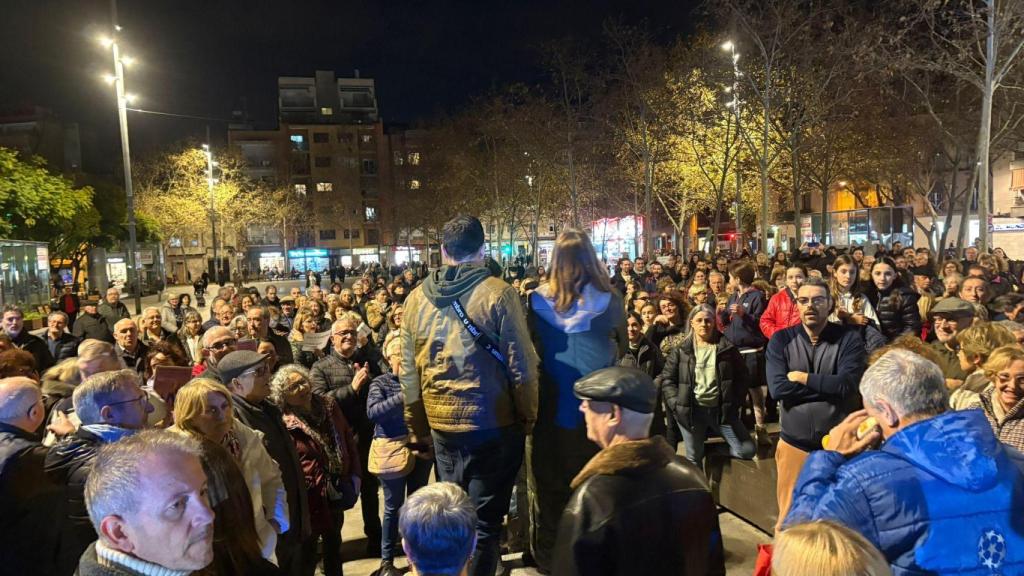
pixel 953 306
pixel 626 387
pixel 235 363
pixel 287 300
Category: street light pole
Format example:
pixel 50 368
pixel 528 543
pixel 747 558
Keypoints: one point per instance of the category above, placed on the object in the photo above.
pixel 213 214
pixel 122 117
pixel 736 110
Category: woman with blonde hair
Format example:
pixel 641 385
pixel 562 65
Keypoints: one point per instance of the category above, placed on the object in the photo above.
pixel 1003 400
pixel 305 323
pixel 578 326
pixel 204 410
pixel 825 548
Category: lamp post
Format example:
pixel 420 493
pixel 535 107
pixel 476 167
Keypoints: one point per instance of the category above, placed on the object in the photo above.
pixel 123 99
pixel 735 105
pixel 213 214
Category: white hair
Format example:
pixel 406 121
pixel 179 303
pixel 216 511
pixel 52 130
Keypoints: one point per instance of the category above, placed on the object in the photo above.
pixel 438 528
pixel 910 383
pixel 113 487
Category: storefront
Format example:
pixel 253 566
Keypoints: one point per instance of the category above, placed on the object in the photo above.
pixel 366 255
pixel 615 237
pixel 402 254
pixel 304 259
pixel 271 261
pixel 883 225
pixel 24 273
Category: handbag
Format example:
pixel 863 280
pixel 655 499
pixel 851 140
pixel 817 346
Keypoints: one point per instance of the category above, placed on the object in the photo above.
pixel 341 492
pixel 390 458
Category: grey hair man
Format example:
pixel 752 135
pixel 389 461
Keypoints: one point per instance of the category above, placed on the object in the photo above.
pixel 147 500
pixel 438 528
pixel 634 480
pixel 112 308
pixel 62 344
pixel 110 406
pixel 128 345
pixel 218 342
pixel 956 484
pixel 258 320
pixel 29 501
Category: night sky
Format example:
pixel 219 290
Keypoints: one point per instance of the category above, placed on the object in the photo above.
pixel 208 58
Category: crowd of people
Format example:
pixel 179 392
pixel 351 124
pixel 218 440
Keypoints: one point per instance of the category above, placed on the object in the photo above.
pixel 171 443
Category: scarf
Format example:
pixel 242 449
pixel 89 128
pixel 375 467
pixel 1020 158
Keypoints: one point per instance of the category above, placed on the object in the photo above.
pixel 111 558
pixel 318 419
pixel 108 433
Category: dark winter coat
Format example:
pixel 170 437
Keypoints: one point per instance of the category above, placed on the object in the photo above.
pixel 64 347
pixel 93 326
pixel 897 311
pixel 68 465
pixel 29 505
pixel 678 380
pixel 639 509
pixel 35 346
pixel 743 330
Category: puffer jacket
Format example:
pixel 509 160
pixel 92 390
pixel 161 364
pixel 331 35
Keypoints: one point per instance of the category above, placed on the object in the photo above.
pixel 571 344
pixel 941 496
pixel 1008 427
pixel 780 313
pixel 639 509
pixel 68 464
pixel 897 311
pixel 678 380
pixel 451 384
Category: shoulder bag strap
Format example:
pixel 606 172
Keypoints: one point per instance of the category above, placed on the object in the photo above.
pixel 479 337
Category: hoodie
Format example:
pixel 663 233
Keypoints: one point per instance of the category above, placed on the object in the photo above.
pixel 941 496
pixel 590 335
pixel 450 383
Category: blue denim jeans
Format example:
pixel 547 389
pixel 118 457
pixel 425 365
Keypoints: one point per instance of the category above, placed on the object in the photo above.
pixel 395 491
pixel 732 430
pixel 484 463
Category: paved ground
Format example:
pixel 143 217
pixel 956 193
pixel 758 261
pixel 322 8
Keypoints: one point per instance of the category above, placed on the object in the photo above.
pixel 741 538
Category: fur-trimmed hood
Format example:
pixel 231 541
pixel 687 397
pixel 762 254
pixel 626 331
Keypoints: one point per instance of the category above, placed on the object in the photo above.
pixel 627 458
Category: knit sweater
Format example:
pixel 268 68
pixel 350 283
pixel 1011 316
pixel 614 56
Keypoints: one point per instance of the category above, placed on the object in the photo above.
pixel 101 560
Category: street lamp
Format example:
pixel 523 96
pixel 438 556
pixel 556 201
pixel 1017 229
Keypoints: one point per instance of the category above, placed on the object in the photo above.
pixel 734 104
pixel 213 214
pixel 123 99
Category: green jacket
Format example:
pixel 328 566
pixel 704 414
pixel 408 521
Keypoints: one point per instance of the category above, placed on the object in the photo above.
pixel 450 383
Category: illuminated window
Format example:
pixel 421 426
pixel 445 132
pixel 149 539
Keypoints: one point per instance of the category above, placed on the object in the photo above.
pixel 398 158
pixel 414 184
pixel 325 187
pixel 414 158
pixel 298 142
pixel 327 111
pixel 366 138
pixel 300 189
pixel 371 213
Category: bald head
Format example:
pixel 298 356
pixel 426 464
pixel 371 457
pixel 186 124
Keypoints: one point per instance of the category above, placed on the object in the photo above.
pixel 21 403
pixel 214 334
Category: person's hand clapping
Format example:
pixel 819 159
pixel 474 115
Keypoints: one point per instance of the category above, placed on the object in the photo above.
pixel 361 377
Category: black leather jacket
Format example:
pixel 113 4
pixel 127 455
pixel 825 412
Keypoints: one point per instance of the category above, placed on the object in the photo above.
pixel 68 465
pixel 639 509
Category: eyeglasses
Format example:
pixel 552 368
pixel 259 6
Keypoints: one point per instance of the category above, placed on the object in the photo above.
pixel 141 400
pixel 222 344
pixel 817 301
pixel 344 333
pixel 261 371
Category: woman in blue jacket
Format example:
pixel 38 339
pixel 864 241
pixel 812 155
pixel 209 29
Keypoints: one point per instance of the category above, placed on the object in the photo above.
pixel 384 407
pixel 578 326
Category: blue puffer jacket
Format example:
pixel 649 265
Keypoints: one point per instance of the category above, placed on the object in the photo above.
pixel 942 496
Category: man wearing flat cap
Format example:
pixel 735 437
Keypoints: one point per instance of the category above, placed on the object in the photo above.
pixel 247 375
pixel 638 508
pixel 950 317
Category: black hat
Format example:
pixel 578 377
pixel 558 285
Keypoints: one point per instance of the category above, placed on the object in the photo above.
pixel 921 271
pixel 626 387
pixel 236 363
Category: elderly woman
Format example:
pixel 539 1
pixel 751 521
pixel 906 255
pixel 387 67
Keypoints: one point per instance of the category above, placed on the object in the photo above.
pixel 204 410
pixel 191 336
pixel 1003 400
pixel 384 406
pixel 704 384
pixel 239 326
pixel 330 460
pixel 305 323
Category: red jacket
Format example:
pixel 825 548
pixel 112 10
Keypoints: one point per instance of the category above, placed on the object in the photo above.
pixel 781 313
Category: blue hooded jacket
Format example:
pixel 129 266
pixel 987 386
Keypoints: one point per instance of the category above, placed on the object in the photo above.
pixel 942 496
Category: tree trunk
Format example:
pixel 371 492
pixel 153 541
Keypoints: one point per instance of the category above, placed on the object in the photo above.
pixel 984 131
